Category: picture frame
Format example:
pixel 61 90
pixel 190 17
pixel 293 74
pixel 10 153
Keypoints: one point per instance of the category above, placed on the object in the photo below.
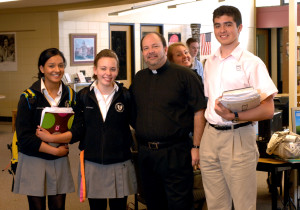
pixel 174 37
pixel 82 49
pixel 8 51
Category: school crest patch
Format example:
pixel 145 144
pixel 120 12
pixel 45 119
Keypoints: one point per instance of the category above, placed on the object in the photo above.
pixel 119 107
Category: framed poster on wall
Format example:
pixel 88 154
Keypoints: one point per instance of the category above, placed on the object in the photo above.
pixel 119 46
pixel 173 37
pixel 83 49
pixel 8 53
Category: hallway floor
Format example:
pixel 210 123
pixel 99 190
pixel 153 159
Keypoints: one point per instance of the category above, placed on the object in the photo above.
pixel 10 201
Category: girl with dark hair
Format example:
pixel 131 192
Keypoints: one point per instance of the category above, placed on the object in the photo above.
pixel 43 170
pixel 46 55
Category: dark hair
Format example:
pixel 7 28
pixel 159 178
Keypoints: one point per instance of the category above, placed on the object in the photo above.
pixel 170 50
pixel 229 11
pixel 162 38
pixel 190 41
pixel 46 55
pixel 2 40
pixel 106 53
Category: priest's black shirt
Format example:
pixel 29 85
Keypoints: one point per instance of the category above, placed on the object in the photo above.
pixel 165 102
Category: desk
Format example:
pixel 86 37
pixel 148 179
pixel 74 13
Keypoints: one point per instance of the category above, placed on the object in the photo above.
pixel 274 166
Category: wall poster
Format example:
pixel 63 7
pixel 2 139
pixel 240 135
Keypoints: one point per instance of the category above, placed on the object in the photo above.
pixel 8 53
pixel 83 49
pixel 173 37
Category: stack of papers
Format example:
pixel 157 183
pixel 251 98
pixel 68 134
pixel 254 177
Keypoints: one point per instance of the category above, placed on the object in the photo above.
pixel 57 119
pixel 240 99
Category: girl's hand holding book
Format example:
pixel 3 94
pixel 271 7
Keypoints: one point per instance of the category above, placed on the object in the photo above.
pixel 62 150
pixel 44 135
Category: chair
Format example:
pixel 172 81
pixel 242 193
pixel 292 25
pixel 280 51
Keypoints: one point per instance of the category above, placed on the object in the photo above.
pixel 13 119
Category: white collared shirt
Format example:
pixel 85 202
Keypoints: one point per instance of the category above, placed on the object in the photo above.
pixel 104 101
pixel 238 70
pixel 52 101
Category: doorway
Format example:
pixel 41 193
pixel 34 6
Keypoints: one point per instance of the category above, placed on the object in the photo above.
pixel 121 41
pixel 263 46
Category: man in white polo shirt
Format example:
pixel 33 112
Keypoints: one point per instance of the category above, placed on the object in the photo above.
pixel 228 150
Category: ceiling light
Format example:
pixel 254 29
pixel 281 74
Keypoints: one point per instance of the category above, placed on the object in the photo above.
pixel 176 5
pixel 135 9
pixel 1 1
pixel 127 11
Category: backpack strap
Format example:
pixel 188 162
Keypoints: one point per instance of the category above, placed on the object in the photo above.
pixel 30 97
pixel 72 97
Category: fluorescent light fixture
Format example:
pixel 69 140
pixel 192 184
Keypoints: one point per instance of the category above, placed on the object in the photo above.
pixel 135 9
pixel 127 11
pixel 176 5
pixel 2 1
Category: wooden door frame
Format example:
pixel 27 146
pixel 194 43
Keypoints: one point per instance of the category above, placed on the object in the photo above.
pixel 131 25
pixel 161 27
pixel 267 34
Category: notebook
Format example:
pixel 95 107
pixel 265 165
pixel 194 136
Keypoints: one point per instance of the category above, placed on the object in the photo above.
pixel 57 119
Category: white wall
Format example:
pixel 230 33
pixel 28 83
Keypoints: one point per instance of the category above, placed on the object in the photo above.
pixel 173 20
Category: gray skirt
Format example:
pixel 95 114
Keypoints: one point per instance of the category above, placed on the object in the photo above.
pixel 39 177
pixel 109 181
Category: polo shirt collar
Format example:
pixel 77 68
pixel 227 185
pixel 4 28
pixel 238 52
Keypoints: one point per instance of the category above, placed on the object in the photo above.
pixel 236 53
pixel 161 69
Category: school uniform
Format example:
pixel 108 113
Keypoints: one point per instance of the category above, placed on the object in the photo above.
pixel 228 151
pixel 39 174
pixel 101 124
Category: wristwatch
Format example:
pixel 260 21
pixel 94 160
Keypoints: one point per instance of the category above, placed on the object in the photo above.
pixel 236 117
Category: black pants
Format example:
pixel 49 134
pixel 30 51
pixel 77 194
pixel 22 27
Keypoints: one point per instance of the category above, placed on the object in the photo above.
pixel 167 177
